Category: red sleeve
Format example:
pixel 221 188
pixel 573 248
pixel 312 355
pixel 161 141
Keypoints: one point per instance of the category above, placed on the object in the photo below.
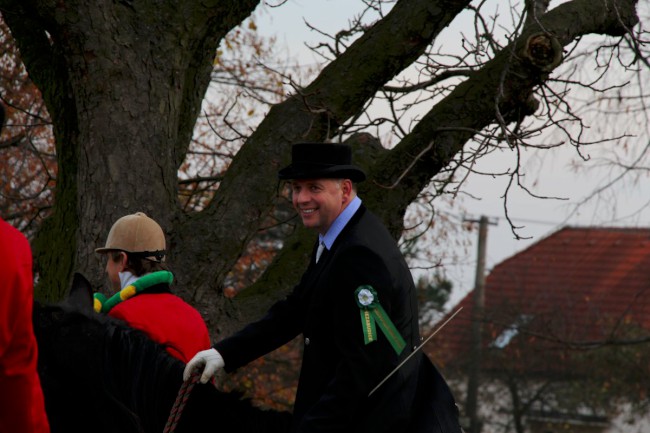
pixel 21 398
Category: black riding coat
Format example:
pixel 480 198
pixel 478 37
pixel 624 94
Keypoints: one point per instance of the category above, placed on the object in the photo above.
pixel 338 369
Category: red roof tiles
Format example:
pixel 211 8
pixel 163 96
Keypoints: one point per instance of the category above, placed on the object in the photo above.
pixel 578 285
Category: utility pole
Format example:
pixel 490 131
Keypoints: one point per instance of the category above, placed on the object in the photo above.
pixel 471 405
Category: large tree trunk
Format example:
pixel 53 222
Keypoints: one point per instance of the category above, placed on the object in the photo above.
pixel 123 82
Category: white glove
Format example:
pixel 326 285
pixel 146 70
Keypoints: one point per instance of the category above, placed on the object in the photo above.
pixel 210 360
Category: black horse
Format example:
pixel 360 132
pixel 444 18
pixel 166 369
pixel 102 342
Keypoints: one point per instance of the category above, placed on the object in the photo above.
pixel 99 375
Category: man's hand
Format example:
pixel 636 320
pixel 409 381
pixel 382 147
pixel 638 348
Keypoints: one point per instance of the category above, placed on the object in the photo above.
pixel 210 360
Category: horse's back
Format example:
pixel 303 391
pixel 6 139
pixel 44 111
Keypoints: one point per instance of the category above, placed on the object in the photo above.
pixel 100 375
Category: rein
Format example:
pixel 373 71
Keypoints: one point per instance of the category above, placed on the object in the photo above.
pixel 181 399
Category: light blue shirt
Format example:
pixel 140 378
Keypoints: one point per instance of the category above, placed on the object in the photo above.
pixel 339 223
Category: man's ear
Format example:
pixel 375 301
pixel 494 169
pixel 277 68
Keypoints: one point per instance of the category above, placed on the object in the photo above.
pixel 124 261
pixel 346 188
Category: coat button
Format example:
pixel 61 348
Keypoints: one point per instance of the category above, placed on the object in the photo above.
pixel 307 341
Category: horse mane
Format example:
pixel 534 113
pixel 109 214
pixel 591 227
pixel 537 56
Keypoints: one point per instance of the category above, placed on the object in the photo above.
pixel 100 375
pixel 78 396
pixel 140 374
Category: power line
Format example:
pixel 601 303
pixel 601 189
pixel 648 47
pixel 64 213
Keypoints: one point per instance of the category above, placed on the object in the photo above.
pixel 522 220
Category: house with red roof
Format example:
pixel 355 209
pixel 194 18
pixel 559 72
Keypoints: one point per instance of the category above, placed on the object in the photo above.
pixel 564 337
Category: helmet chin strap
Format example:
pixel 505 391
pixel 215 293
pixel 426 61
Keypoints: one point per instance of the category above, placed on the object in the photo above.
pixel 158 255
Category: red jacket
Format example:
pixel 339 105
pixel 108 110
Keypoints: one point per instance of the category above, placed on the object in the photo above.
pixel 166 319
pixel 21 399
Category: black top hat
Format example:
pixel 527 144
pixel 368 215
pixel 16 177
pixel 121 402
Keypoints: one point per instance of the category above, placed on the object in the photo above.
pixel 321 160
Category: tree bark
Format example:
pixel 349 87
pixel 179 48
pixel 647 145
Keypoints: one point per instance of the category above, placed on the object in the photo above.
pixel 123 82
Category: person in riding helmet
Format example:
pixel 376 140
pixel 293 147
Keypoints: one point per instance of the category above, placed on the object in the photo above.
pixel 136 270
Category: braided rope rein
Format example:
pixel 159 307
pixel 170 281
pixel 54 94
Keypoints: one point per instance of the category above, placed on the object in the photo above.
pixel 181 399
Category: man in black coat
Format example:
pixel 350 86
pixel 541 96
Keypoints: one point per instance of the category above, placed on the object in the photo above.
pixel 356 307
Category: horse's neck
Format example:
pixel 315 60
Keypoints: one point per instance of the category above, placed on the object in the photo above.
pixel 142 376
pixel 102 376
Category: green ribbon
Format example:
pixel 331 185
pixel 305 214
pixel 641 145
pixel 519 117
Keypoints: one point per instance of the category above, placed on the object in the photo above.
pixel 372 314
pixel 103 305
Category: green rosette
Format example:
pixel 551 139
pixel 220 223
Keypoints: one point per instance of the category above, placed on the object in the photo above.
pixel 373 315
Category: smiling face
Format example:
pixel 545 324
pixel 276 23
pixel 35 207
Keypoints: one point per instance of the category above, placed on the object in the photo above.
pixel 320 201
